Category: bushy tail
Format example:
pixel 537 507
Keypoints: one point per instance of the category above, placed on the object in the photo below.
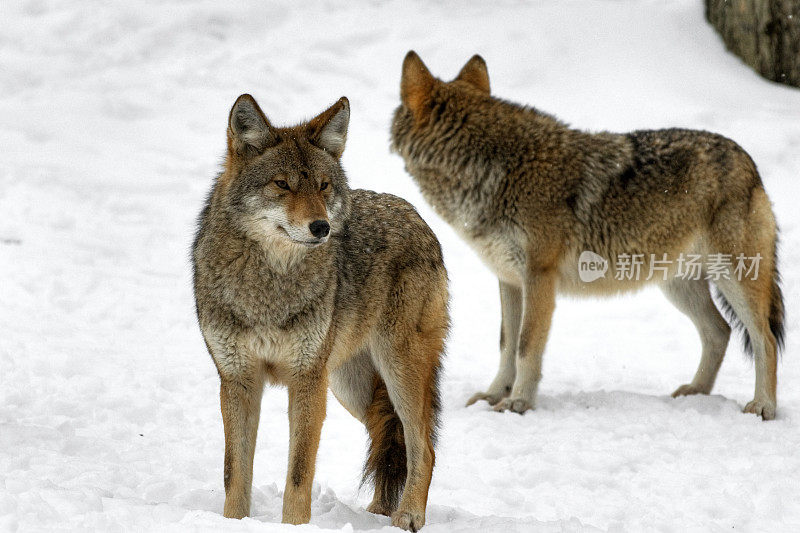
pixel 386 457
pixel 386 465
pixel 776 310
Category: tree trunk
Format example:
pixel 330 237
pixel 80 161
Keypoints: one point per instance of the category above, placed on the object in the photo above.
pixel 764 33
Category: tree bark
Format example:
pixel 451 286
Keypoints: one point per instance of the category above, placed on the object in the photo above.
pixel 764 33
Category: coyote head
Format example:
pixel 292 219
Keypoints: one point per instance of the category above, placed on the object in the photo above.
pixel 430 107
pixel 286 185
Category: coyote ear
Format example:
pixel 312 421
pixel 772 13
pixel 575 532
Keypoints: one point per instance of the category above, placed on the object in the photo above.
pixel 328 130
pixel 249 130
pixel 416 83
pixel 475 73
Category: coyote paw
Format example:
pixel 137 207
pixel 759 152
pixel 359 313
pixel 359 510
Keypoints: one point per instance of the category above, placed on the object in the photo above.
pixel 379 508
pixel 762 408
pixel 491 399
pixel 518 405
pixel 408 520
pixel 688 390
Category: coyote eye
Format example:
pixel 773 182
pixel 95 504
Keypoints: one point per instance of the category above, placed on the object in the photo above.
pixel 323 186
pixel 282 184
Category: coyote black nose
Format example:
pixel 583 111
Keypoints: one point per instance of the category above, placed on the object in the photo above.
pixel 319 228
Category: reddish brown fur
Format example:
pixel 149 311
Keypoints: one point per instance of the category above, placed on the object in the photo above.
pixel 530 195
pixel 362 305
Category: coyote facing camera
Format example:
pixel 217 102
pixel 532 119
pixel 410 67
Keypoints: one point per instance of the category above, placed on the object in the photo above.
pixel 530 194
pixel 301 281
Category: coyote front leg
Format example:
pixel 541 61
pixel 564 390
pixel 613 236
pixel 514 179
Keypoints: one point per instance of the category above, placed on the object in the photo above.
pixel 511 307
pixel 241 405
pixel 538 303
pixel 307 397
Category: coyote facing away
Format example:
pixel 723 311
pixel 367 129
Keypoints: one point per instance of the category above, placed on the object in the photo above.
pixel 530 194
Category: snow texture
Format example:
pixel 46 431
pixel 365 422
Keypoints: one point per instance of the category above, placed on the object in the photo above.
pixel 112 123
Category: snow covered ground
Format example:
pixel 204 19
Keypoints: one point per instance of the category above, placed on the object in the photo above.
pixel 112 125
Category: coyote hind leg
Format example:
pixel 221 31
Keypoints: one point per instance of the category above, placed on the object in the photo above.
pixel 386 464
pixel 749 301
pixel 693 298
pixel 407 356
pixel 746 228
pixel 414 396
pixel 362 392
